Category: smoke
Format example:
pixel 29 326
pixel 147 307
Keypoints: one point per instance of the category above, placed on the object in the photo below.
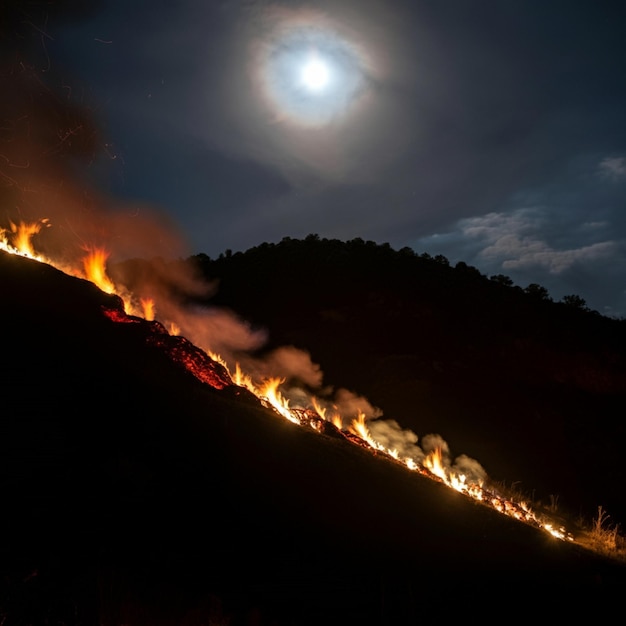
pixel 350 404
pixel 219 331
pixel 433 442
pixel 391 435
pixel 289 363
pixel 471 468
pixel 223 333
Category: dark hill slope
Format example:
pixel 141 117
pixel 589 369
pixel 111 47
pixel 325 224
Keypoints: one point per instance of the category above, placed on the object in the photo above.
pixel 530 387
pixel 135 494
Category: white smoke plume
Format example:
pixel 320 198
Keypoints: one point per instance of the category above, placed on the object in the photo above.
pixel 432 442
pixel 218 330
pixel 393 437
pixel 291 364
pixel 471 468
pixel 349 404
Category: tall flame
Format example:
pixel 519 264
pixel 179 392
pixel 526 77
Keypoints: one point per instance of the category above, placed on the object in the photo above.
pixel 17 239
pixel 147 305
pixel 434 462
pixel 94 265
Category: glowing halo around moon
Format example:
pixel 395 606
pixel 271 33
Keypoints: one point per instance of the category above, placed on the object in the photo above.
pixel 309 74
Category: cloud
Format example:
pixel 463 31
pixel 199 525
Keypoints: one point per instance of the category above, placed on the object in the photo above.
pixel 515 241
pixel 515 253
pixel 613 168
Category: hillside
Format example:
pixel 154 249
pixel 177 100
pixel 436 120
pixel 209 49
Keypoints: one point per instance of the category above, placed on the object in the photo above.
pixel 528 386
pixel 135 493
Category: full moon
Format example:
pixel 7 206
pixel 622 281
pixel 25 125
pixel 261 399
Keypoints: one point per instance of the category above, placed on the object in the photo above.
pixel 315 74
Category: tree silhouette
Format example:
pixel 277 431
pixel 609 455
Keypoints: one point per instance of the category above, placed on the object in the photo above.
pixel 538 292
pixel 502 279
pixel 575 301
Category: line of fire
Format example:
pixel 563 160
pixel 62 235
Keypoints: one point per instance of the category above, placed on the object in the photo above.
pixel 210 368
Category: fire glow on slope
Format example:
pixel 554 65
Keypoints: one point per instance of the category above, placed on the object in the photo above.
pixel 17 239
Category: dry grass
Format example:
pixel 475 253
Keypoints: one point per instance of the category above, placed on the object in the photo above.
pixel 600 535
pixel 604 537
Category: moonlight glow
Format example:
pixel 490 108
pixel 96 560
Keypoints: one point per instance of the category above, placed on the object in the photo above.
pixel 309 74
pixel 315 74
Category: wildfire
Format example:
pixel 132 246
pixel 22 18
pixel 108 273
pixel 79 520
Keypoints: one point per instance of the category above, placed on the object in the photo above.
pixel 17 239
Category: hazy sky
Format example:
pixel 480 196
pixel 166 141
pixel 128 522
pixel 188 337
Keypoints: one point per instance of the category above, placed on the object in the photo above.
pixel 492 132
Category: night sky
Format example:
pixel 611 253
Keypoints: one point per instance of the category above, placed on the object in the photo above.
pixel 491 132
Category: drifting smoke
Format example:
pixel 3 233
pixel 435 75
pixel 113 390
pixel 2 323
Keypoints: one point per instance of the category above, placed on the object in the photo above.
pixel 219 330
pixel 222 332
pixel 289 363
pixel 471 468
pixel 391 435
pixel 433 442
pixel 348 403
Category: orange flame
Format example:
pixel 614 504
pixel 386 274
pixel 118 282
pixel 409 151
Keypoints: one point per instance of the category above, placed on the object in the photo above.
pixel 94 265
pixel 147 304
pixel 434 462
pixel 270 392
pixel 18 239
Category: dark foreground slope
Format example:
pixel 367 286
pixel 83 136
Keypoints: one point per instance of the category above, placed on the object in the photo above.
pixel 134 494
